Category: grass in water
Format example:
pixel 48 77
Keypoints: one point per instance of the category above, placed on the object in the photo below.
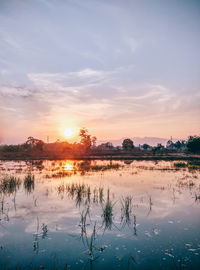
pixel 193 165
pixel 83 223
pixel 180 164
pixel 126 210
pixel 101 199
pixel 108 213
pixel 105 167
pixel 29 183
pixel 9 184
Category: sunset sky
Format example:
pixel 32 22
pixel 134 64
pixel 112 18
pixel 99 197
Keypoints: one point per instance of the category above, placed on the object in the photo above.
pixel 121 68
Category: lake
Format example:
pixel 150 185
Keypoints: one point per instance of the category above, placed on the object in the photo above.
pixel 99 215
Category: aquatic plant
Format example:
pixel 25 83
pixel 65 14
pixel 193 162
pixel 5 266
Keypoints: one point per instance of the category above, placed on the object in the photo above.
pixel 80 193
pixel 93 250
pixel 83 223
pixel 107 213
pixel 88 195
pixel 188 184
pixel 9 184
pixel 131 262
pixel 134 225
pixel 44 231
pixel 197 197
pixel 91 244
pixel 36 238
pixel 126 210
pixel 101 195
pixel 180 164
pixel 83 194
pixel 150 205
pixel 105 167
pixel 192 165
pixel 95 196
pixel 61 188
pixel 29 183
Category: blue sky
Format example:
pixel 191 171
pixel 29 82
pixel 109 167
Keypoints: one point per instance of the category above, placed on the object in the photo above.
pixel 119 67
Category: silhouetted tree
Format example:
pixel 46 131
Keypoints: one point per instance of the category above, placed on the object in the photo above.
pixel 170 144
pixel 158 148
pixel 127 144
pixel 105 146
pixel 35 143
pixel 86 140
pixel 145 146
pixel 193 144
pixel 178 145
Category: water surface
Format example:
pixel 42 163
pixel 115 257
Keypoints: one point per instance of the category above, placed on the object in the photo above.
pixel 99 215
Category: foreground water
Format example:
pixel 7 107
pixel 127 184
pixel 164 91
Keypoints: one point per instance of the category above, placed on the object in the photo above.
pixel 99 215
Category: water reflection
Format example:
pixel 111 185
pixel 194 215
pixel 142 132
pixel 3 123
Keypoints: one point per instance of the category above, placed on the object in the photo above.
pixel 97 214
pixel 68 167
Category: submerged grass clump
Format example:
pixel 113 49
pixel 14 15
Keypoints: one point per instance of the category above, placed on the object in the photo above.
pixel 9 184
pixel 126 210
pixel 83 223
pixel 108 213
pixel 197 197
pixel 101 195
pixel 180 164
pixel 82 193
pixel 193 165
pixel 29 183
pixel 105 167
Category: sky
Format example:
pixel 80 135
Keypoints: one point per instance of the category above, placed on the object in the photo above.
pixel 121 68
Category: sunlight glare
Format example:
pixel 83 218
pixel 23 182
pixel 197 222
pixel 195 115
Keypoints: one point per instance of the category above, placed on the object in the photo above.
pixel 68 167
pixel 68 132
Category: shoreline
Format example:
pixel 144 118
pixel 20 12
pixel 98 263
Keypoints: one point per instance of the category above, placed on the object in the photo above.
pixel 109 157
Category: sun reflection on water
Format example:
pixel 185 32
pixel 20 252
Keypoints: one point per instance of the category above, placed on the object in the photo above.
pixel 68 167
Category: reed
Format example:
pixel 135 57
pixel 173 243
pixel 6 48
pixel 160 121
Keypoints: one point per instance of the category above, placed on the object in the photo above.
pixel 91 244
pixel 9 184
pixel 108 213
pixel 83 223
pixel 101 195
pixel 131 262
pixel 29 183
pixel 126 210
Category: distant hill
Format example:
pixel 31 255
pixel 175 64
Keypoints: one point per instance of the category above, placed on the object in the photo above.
pixel 153 141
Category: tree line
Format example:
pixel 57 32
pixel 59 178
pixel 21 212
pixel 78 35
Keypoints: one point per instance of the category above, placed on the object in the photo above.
pixel 87 145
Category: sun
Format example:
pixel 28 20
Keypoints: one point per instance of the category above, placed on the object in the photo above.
pixel 68 132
